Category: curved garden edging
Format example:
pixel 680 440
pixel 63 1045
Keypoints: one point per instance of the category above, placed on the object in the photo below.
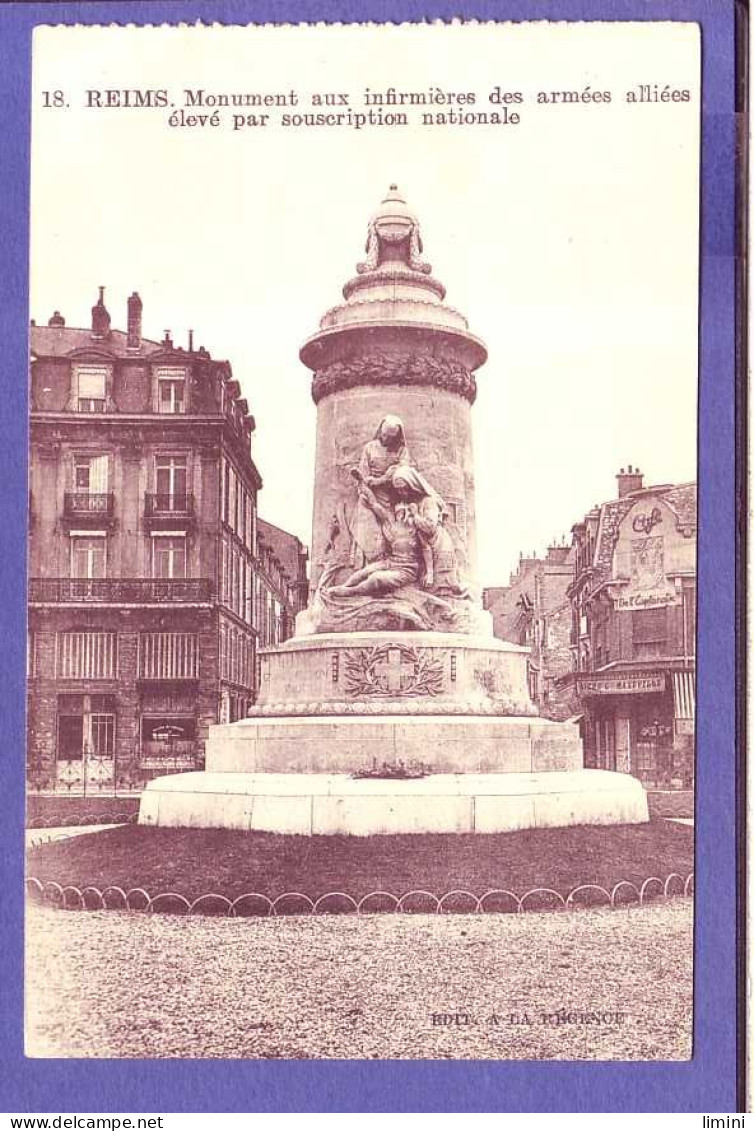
pixel 80 820
pixel 458 901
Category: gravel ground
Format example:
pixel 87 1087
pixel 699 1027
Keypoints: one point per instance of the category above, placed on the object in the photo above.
pixel 118 984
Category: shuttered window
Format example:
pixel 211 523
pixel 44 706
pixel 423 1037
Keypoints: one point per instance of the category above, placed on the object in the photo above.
pixel 90 384
pixel 168 655
pixel 87 655
pixel 236 656
pixel 90 474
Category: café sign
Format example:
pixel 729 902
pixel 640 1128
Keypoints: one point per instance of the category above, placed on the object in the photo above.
pixel 632 684
pixel 648 599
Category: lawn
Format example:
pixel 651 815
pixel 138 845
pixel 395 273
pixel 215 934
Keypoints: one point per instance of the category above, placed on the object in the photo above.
pixel 671 803
pixel 44 811
pixel 196 861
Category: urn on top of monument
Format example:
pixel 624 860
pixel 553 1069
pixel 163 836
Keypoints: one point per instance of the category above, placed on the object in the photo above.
pixel 394 290
pixel 394 540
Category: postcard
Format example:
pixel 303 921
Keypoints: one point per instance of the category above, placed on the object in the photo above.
pixel 380 455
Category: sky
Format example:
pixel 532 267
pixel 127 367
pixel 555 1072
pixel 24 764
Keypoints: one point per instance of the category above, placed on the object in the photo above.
pixel 568 240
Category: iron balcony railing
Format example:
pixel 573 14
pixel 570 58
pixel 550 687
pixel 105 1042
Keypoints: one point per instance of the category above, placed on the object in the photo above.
pixel 120 591
pixel 85 503
pixel 158 504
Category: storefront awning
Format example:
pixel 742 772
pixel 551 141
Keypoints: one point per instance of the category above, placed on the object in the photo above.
pixel 684 699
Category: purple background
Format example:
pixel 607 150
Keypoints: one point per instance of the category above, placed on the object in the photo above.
pixel 708 1082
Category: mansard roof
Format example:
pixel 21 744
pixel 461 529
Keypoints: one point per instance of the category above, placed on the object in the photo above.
pixel 62 341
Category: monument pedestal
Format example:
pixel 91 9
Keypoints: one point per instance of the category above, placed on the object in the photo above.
pixel 343 716
pixel 431 702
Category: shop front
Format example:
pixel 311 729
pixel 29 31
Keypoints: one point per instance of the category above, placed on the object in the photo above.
pixel 641 723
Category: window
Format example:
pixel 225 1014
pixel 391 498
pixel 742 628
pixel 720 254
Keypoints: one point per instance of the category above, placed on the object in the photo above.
pixel 605 736
pixel 226 493
pixel 247 612
pixel 650 626
pixel 70 738
pixel 91 384
pixel 171 387
pixel 103 734
pixel 86 726
pixel 650 632
pixel 689 619
pixel 87 556
pixel 235 582
pixel 168 557
pixel 86 655
pixel 233 507
pixel 225 594
pixel 168 734
pixel 170 481
pixel 168 655
pixel 531 678
pixel 249 525
pixel 90 474
pixel 236 656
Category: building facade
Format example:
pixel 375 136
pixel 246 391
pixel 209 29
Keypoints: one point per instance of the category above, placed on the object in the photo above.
pixel 534 610
pixel 283 588
pixel 633 632
pixel 145 561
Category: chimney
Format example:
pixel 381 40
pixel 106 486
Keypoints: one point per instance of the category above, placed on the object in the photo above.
pixel 558 555
pixel 167 341
pixel 100 317
pixel 629 480
pixel 57 319
pixel 191 341
pixel 133 337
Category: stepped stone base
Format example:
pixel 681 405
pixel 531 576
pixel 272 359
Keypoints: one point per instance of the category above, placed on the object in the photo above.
pixel 452 710
pixel 351 744
pixel 337 804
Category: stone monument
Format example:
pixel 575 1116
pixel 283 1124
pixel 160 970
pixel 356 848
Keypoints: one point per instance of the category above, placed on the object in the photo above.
pixel 393 708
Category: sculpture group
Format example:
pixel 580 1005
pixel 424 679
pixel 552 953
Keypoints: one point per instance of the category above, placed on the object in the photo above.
pixel 391 554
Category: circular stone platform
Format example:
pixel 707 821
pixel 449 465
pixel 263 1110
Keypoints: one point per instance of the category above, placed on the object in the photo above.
pixel 336 804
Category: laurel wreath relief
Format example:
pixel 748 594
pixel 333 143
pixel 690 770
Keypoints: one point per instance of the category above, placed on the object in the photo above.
pixel 365 671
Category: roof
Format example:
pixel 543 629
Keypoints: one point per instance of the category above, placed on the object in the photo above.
pixel 63 341
pixel 59 341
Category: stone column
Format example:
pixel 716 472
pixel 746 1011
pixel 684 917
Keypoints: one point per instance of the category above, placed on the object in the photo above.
pixel 393 350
